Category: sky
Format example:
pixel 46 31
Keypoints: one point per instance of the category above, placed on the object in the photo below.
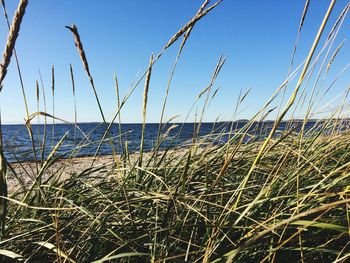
pixel 256 37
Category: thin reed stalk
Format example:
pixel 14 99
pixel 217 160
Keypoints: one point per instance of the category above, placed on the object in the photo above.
pixel 119 115
pixel 82 54
pixel 208 89
pixel 43 144
pixel 29 128
pixel 53 103
pixel 6 58
pixel 172 72
pixel 301 23
pixel 75 102
pixel 144 112
pixel 37 89
pixel 11 39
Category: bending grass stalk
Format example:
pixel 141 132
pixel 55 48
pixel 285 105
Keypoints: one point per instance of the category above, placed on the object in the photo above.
pixel 29 128
pixel 41 113
pixel 11 39
pixel 330 38
pixel 75 102
pixel 16 58
pixel 339 19
pixel 288 106
pixel 315 91
pixel 207 90
pixel 201 13
pixel 240 100
pixel 82 54
pixel 334 55
pixel 6 59
pixel 144 111
pixel 301 23
pixel 160 127
pixel 333 33
pixel 182 45
pixel 183 30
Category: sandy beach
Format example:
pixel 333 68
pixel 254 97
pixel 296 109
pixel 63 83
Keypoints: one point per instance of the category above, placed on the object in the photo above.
pixel 27 170
pixel 23 173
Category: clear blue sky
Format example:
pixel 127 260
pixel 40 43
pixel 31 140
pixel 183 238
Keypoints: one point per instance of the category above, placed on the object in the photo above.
pixel 256 36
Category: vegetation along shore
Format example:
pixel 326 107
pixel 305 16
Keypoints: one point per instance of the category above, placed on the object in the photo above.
pixel 236 193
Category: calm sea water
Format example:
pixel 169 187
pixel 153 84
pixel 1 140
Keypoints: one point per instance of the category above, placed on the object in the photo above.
pixel 84 139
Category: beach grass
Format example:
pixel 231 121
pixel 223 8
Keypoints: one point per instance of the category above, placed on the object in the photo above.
pixel 278 196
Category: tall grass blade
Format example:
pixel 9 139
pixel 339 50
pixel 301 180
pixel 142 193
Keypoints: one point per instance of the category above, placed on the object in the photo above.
pixel 144 111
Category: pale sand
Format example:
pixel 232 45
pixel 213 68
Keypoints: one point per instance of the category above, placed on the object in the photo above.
pixel 26 171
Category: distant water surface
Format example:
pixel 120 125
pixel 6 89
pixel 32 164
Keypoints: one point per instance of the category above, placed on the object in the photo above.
pixel 84 139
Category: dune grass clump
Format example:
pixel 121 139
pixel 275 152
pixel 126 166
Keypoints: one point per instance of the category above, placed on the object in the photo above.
pixel 173 212
pixel 252 191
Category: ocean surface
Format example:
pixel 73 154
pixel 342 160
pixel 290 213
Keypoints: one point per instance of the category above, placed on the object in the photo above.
pixel 84 138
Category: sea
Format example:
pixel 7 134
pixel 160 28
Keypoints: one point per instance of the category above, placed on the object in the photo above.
pixel 85 139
